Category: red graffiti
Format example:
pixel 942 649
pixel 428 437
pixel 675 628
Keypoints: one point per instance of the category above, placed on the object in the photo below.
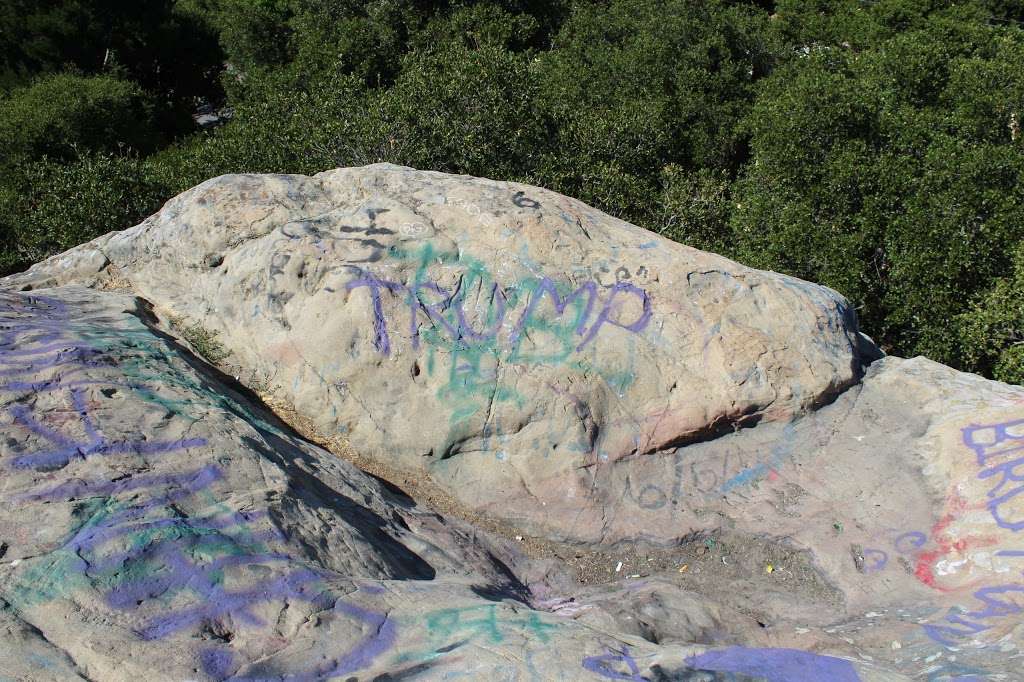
pixel 946 545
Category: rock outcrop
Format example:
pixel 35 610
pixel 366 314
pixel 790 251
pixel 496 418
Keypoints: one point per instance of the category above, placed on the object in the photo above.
pixel 728 432
pixel 514 343
pixel 156 524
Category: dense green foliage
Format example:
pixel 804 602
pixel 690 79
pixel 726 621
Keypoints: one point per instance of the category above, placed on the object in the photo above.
pixel 874 146
pixel 61 115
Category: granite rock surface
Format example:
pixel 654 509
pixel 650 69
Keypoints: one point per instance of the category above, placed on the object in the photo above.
pixel 821 511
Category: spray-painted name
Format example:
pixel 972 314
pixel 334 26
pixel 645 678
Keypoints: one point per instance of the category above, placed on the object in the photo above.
pixel 584 300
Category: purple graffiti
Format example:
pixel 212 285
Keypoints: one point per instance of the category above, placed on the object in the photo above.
pixel 776 665
pixel 586 293
pixel 48 332
pixel 182 537
pixel 176 570
pixel 145 546
pixel 915 540
pixel 1000 433
pixel 1009 472
pixel 61 382
pixel 28 356
pixel 995 441
pixel 380 341
pixel 994 608
pixel 878 559
pixel 435 311
pixel 217 663
pixel 108 526
pixel 236 603
pixel 383 634
pixel 609 665
pixel 467 331
pixel 190 482
pixel 1010 552
pixel 131 520
pixel 56 355
pixel 67 448
pixel 605 316
pixel 46 341
pixel 171 543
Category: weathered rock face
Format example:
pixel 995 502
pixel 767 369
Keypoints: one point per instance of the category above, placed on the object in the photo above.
pixel 154 524
pixel 575 376
pixel 512 341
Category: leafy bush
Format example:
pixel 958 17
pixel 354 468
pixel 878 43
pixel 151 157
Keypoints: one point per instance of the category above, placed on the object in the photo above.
pixel 282 125
pixel 465 111
pixel 893 174
pixel 62 114
pixel 992 329
pixel 635 85
pixel 164 48
pixel 47 207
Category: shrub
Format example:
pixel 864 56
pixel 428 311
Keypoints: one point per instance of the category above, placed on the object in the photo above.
pixel 61 115
pixel 47 207
pixel 992 329
pixel 632 86
pixel 892 173
pixel 464 111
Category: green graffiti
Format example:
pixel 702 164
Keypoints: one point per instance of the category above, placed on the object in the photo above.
pixel 445 627
pixel 69 569
pixel 57 575
pixel 474 361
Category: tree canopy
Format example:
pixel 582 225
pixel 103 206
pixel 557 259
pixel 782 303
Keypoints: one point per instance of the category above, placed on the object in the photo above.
pixel 873 146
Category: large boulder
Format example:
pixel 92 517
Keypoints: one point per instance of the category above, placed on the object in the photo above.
pixel 712 429
pixel 516 344
pixel 156 524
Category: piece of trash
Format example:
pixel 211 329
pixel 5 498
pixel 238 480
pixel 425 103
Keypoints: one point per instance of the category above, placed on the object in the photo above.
pixel 723 561
pixel 635 575
pixel 769 568
pixel 896 645
pixel 519 538
pixel 682 569
pixel 618 567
